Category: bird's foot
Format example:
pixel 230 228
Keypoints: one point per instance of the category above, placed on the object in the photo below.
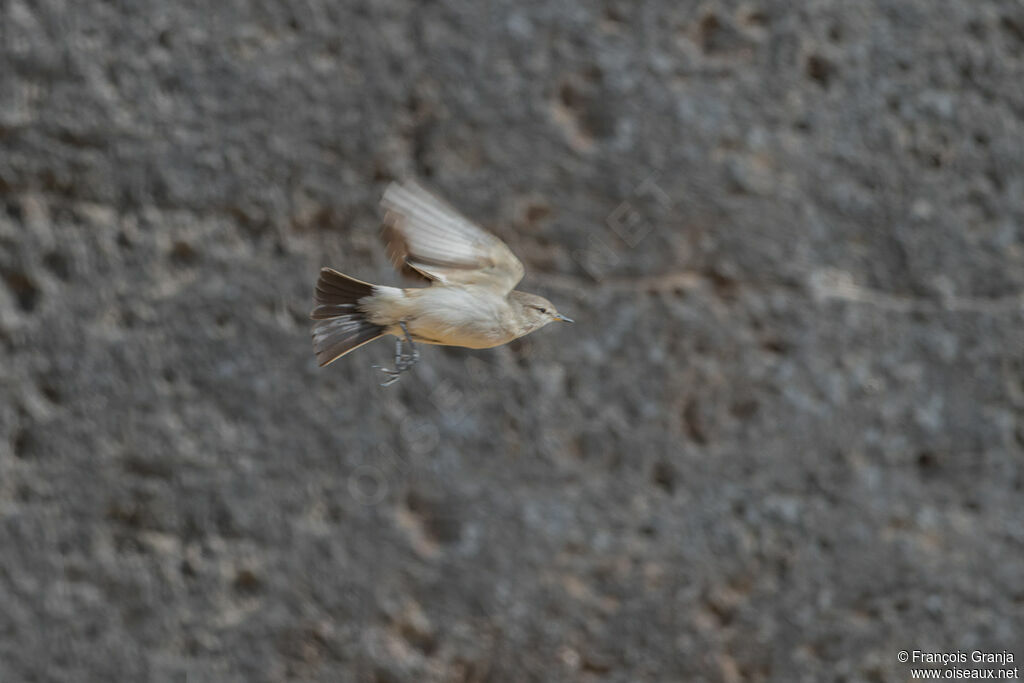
pixel 402 364
pixel 393 375
pixel 403 360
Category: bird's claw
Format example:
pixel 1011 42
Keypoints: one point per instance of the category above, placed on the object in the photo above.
pixel 393 375
pixel 403 361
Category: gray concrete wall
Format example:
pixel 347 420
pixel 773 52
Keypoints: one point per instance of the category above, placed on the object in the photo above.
pixel 782 442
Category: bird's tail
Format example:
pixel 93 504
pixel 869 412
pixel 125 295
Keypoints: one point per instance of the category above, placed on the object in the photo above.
pixel 342 325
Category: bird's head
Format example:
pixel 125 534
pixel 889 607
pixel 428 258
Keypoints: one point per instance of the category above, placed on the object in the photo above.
pixel 536 311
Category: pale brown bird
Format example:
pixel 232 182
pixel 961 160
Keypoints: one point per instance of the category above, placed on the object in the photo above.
pixel 471 300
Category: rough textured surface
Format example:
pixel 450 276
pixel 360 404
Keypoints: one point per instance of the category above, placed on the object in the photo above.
pixel 783 441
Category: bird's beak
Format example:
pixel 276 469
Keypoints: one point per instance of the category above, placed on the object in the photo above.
pixel 559 316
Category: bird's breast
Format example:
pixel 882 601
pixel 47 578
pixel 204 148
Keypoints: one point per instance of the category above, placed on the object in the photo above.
pixel 458 316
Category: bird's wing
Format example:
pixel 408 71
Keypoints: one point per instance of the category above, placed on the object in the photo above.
pixel 424 235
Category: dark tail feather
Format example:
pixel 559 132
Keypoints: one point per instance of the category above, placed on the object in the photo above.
pixel 338 294
pixel 342 326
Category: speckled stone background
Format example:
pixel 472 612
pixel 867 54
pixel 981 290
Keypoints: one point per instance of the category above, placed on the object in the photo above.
pixel 784 440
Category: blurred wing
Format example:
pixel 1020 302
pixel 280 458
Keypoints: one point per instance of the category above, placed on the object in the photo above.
pixel 423 235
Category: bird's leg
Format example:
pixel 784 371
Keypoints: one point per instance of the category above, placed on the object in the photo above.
pixel 393 375
pixel 414 358
pixel 403 361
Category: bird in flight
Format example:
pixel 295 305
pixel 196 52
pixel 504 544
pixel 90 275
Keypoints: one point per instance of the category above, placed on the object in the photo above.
pixel 471 300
